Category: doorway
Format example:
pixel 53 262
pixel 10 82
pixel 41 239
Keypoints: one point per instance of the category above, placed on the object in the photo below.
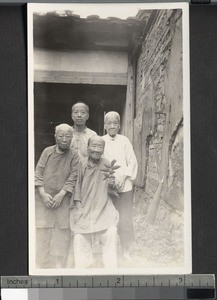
pixel 53 102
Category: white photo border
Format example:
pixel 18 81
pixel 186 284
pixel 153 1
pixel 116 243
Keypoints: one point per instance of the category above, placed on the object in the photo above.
pixel 187 269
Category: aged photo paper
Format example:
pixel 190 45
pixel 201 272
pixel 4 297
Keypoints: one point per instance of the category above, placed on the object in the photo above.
pixel 109 139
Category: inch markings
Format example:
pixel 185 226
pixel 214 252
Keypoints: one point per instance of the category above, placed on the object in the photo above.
pixel 206 281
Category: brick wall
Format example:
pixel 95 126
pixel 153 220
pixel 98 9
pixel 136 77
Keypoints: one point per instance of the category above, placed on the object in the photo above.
pixel 158 123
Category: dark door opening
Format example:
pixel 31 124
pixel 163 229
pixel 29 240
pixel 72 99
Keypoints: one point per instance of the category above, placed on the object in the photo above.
pixel 53 102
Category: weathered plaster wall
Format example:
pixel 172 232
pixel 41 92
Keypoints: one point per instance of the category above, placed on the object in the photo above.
pixel 80 67
pixel 158 123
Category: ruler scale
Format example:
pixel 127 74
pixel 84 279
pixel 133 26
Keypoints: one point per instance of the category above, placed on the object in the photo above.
pixel 114 287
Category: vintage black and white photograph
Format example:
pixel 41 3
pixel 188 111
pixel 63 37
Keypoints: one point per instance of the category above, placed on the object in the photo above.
pixel 109 139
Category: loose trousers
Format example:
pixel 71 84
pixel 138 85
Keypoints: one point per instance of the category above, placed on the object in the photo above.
pixel 124 205
pixel 51 242
pixel 83 248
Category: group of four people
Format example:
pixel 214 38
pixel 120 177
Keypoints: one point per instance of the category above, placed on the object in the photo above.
pixel 72 201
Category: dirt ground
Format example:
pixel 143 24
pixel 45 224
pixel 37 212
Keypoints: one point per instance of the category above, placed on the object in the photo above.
pixel 157 245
